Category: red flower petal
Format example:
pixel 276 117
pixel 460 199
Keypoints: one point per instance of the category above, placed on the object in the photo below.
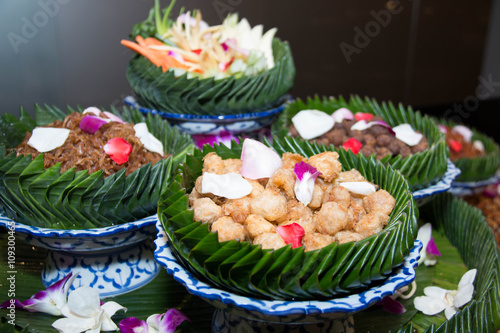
pixel 197 51
pixel 455 145
pixel 118 149
pixel 353 144
pixel 292 234
pixel 363 116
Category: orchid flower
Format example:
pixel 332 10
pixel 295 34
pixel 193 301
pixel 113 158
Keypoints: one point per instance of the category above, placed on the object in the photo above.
pixel 429 248
pixel 45 139
pixel 230 185
pixel 224 138
pixel 258 160
pixel 312 123
pixel 157 323
pixel 437 299
pixel 84 313
pixel 50 300
pixel 304 184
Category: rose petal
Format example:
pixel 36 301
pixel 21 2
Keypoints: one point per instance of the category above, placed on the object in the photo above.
pixel 405 133
pixel 304 184
pixel 133 325
pixel 464 131
pixel 114 117
pixel 360 126
pixel 478 145
pixel 171 320
pixel 429 306
pixel 353 144
pixel 342 114
pixel 45 139
pixel 363 188
pixel 292 234
pixel 363 116
pixel 443 129
pixel 258 160
pixel 392 305
pixel 432 249
pixel 95 111
pixel 468 278
pixel 312 123
pixel 455 145
pixel 118 149
pixel 230 185
pixel 91 124
pixel 149 141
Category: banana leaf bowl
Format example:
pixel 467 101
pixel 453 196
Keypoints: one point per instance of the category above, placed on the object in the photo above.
pixel 421 169
pixel 99 227
pixel 285 274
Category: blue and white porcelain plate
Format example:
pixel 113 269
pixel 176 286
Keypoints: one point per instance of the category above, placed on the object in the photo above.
pixel 285 311
pixel 215 125
pixel 443 185
pixel 470 188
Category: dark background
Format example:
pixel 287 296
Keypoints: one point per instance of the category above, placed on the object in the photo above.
pixel 433 55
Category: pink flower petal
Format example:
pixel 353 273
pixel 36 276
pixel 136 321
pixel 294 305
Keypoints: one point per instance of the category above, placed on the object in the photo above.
pixel 91 124
pixel 432 248
pixel 304 184
pixel 342 114
pixel 114 117
pixel 224 47
pixel 443 129
pixel 133 325
pixel 118 149
pixel 302 167
pixel 171 320
pixel 464 131
pixel 258 160
pixel 391 305
pixel 292 234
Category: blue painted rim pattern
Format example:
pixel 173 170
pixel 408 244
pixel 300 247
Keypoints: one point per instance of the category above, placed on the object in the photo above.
pixel 442 186
pixel 72 233
pixel 471 185
pixel 131 101
pixel 403 276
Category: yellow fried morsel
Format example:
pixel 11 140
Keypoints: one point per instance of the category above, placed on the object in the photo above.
pixel 193 196
pixel 256 225
pixel 380 201
pixel 228 229
pixel 339 195
pixel 213 163
pixel 289 160
pixel 371 224
pixel 197 184
pixel 331 218
pixel 355 213
pixel 347 236
pixel 257 188
pixel 205 210
pixel 238 209
pixel 352 175
pixel 269 240
pixel 316 241
pixel 271 205
pixel 232 165
pixel 328 164
pixel 317 197
pixel 300 214
pixel 306 222
pixel 283 179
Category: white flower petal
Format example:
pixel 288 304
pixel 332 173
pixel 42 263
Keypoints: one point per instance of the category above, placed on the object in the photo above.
pixel 424 235
pixel 360 125
pixel 464 131
pixel 312 123
pixel 435 292
pixel 468 278
pixel 363 188
pixel 429 259
pixel 106 323
pixel 478 145
pixel 342 114
pixel 43 306
pixel 111 307
pixel 304 189
pixel 74 324
pixel 463 296
pixel 84 302
pixel 266 46
pixel 45 139
pixel 449 312
pixel 230 185
pixel 405 133
pixel 147 139
pixel 258 160
pixel 429 306
pixel 93 110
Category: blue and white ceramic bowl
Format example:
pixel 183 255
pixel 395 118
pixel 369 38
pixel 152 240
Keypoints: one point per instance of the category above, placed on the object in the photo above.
pixel 424 195
pixel 470 188
pixel 215 125
pixel 115 259
pixel 285 311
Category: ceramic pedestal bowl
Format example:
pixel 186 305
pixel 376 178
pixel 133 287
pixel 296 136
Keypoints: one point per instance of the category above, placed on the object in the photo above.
pixel 446 183
pixel 114 260
pixel 239 312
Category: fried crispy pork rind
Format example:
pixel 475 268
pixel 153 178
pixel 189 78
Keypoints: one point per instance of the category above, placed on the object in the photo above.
pixel 289 273
pixel 46 197
pixel 421 169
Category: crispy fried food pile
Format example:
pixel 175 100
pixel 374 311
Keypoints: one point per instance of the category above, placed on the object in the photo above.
pixel 333 214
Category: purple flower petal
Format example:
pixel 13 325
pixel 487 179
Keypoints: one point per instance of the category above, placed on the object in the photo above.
pixel 114 117
pixel 59 285
pixel 304 185
pixel 171 320
pixel 133 325
pixel 383 123
pixel 432 248
pixel 42 295
pixel 392 306
pixel 7 303
pixel 302 167
pixel 224 47
pixel 91 124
